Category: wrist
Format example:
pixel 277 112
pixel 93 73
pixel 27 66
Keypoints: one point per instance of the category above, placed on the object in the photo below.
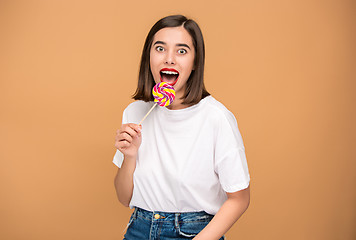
pixel 130 158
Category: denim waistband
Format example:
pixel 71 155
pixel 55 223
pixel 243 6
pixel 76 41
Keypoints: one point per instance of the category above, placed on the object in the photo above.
pixel 172 216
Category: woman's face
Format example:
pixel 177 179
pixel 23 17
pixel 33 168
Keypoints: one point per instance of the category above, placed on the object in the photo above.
pixel 172 57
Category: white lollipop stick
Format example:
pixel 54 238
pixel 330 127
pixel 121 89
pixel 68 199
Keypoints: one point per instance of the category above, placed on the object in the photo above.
pixel 148 113
pixel 163 94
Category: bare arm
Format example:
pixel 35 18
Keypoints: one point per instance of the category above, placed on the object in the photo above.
pixel 124 181
pixel 128 140
pixel 233 208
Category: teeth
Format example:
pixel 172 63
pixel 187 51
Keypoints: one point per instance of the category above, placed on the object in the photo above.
pixel 169 72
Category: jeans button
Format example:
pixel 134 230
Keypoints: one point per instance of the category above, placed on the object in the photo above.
pixel 157 216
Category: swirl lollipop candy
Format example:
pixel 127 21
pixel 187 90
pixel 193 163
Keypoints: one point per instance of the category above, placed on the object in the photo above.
pixel 164 95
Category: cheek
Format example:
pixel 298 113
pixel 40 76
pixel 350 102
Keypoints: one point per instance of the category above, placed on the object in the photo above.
pixel 189 65
pixel 154 69
pixel 154 60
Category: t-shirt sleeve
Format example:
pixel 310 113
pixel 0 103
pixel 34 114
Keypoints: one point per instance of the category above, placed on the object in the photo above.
pixel 230 159
pixel 119 157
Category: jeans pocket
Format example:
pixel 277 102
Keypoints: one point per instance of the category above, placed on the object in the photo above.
pixel 191 229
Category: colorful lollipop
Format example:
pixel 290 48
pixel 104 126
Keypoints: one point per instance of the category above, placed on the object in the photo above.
pixel 164 95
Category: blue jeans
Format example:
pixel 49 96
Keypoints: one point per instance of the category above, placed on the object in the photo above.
pixel 146 225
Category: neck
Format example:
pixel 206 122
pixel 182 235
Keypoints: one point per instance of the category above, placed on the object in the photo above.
pixel 177 104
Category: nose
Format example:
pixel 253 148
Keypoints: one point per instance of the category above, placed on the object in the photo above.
pixel 170 59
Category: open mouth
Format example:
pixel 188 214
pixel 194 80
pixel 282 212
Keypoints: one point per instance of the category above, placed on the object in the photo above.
pixel 169 75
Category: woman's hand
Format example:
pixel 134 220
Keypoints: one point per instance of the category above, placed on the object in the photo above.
pixel 128 139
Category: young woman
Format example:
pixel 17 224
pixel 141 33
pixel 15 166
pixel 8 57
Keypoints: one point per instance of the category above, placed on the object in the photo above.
pixel 184 171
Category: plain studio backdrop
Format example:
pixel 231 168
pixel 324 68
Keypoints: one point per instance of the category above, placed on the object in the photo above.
pixel 286 69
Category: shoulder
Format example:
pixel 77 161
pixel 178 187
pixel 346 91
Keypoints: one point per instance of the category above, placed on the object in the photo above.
pixel 138 105
pixel 136 110
pixel 225 124
pixel 218 110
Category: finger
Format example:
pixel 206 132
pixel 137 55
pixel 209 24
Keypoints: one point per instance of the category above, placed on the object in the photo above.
pixel 125 136
pixel 136 127
pixel 122 144
pixel 131 131
pixel 118 145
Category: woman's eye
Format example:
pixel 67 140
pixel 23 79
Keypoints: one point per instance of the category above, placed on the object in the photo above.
pixel 160 49
pixel 182 51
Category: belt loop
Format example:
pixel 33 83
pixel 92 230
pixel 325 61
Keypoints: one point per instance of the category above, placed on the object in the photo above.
pixel 135 213
pixel 176 220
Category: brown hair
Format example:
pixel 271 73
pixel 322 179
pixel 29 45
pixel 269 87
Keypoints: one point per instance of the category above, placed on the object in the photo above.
pixel 195 89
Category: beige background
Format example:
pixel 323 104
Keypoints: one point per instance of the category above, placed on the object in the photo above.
pixel 286 69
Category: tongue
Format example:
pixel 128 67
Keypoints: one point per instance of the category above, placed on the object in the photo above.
pixel 169 77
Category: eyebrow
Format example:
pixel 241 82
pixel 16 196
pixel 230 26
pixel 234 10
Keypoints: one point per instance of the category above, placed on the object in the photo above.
pixel 178 44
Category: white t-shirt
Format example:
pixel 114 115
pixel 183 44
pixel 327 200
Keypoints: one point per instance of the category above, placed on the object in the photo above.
pixel 188 158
